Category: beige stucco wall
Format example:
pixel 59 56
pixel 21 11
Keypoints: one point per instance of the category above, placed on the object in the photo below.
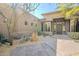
pixel 25 17
pixel 18 19
pixel 53 15
pixel 8 13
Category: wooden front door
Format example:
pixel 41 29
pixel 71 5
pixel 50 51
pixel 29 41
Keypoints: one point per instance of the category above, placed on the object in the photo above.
pixel 59 28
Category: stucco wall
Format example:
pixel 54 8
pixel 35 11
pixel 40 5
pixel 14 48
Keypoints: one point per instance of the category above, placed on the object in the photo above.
pixel 8 13
pixel 18 19
pixel 25 17
pixel 53 15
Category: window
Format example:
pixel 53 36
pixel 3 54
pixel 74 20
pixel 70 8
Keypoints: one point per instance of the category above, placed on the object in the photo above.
pixel 25 22
pixel 45 27
pixel 48 28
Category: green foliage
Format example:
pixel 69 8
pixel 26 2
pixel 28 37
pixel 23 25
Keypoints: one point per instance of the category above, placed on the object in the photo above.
pixel 39 33
pixel 74 35
pixel 2 37
pixel 68 9
pixel 4 40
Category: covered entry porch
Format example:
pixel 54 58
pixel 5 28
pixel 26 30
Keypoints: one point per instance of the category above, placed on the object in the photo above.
pixel 56 26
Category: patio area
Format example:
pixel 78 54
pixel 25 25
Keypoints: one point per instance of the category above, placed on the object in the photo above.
pixel 56 45
pixel 45 46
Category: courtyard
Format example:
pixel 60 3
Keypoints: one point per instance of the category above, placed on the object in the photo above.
pixel 25 32
pixel 57 45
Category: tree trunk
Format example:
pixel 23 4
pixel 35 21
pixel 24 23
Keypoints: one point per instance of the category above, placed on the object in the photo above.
pixel 9 35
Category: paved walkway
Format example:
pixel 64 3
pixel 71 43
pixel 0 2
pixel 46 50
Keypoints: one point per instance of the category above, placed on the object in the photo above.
pixel 45 47
pixel 60 45
pixel 66 46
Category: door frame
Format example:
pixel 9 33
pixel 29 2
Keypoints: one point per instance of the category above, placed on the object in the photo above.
pixel 60 28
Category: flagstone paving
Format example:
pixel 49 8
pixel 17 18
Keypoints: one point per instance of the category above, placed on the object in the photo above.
pixel 60 45
pixel 45 47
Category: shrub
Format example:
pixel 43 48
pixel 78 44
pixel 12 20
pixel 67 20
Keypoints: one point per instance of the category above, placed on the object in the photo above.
pixel 4 40
pixel 39 33
pixel 74 35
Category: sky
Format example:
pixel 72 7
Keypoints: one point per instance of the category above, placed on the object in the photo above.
pixel 44 8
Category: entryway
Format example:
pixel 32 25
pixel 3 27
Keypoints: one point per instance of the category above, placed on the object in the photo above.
pixel 59 28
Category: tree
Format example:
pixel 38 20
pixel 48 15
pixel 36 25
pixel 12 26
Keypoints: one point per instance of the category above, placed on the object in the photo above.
pixel 26 7
pixel 69 9
pixel 7 21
